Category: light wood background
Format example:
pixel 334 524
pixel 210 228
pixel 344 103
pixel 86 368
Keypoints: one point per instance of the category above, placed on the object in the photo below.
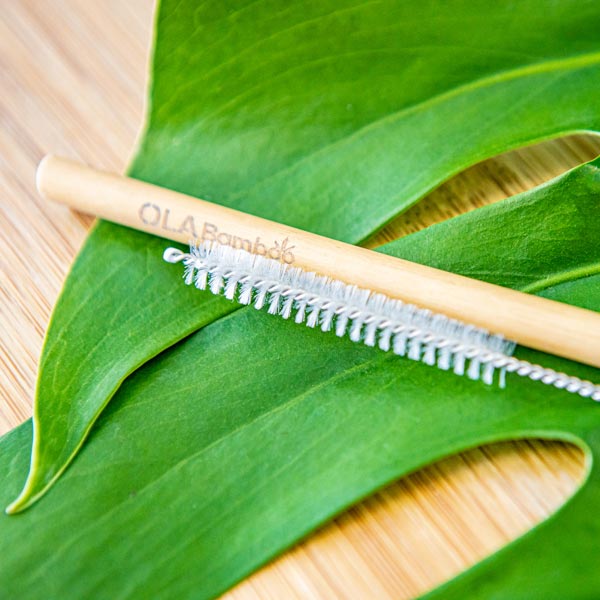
pixel 72 81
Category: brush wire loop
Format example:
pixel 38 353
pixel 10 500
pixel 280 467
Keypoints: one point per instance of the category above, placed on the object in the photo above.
pixel 362 315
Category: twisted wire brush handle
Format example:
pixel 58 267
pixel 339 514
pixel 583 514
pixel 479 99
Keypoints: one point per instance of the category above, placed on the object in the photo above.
pixel 531 321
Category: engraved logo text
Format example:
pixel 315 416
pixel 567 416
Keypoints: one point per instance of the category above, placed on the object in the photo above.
pixel 152 215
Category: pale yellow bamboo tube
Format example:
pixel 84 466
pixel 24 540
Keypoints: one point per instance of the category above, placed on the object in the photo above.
pixel 535 322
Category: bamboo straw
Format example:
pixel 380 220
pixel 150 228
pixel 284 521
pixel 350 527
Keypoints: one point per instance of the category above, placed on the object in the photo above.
pixel 531 321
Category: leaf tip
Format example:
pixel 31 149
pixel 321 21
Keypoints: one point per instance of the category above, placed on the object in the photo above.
pixel 19 504
pixel 28 496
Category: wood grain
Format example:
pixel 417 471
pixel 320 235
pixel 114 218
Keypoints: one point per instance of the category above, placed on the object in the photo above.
pixel 72 76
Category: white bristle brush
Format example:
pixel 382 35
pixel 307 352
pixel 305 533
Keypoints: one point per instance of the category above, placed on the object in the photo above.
pixel 422 313
pixel 371 318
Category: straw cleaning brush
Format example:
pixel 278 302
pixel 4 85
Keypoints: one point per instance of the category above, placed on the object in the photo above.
pixel 419 312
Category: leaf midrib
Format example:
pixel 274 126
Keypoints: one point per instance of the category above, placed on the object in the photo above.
pixel 562 277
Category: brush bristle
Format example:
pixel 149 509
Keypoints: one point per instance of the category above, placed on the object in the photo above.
pixel 319 301
pixel 362 315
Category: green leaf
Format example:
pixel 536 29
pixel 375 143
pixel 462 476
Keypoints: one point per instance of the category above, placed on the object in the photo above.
pixel 232 445
pixel 331 117
pixel 118 309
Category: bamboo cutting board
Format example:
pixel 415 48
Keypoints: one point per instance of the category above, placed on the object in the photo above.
pixel 72 81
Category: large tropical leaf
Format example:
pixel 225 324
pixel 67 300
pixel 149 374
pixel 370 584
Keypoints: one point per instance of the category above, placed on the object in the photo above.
pixel 229 447
pixel 325 115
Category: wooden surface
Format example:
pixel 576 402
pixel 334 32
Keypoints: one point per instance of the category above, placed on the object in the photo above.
pixel 72 76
